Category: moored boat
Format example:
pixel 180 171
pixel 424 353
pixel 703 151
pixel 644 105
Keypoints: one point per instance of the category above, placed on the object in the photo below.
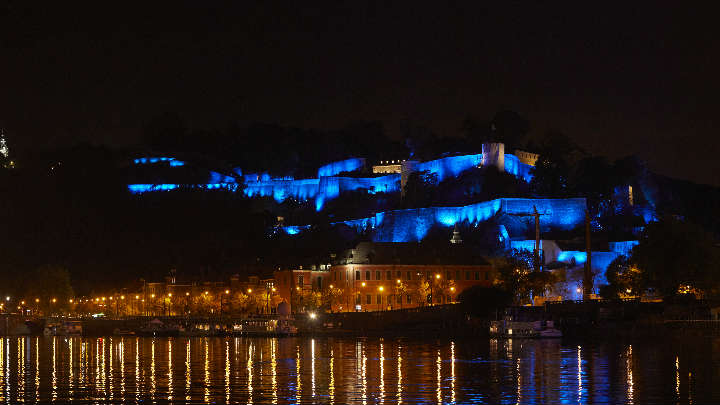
pixel 528 330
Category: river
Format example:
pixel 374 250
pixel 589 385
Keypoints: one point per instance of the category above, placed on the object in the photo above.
pixel 357 370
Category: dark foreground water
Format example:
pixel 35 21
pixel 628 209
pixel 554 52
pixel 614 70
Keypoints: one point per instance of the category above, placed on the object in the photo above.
pixel 345 371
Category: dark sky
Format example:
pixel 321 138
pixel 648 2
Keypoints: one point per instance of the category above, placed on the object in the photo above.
pixel 637 79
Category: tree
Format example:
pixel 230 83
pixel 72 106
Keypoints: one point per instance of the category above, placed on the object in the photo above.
pixel 420 189
pixel 624 279
pixel 673 253
pixel 516 276
pixel 554 168
pixel 50 286
pixel 332 297
pixel 420 291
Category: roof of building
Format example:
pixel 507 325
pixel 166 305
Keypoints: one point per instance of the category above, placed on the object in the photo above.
pixel 411 253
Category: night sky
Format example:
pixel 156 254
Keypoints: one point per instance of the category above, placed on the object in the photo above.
pixel 638 79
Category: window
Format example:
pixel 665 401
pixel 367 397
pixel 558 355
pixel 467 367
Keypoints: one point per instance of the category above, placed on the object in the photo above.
pixel 334 276
pixel 357 275
pixel 358 300
pixel 467 275
pixel 399 299
pixel 369 299
pixel 448 275
pixel 427 275
pixel 408 276
pixel 300 281
pixel 367 275
pixel 379 299
pixel 399 274
pixel 477 275
pixel 457 274
pixel 409 300
pixel 389 275
pixel 487 276
pixel 378 275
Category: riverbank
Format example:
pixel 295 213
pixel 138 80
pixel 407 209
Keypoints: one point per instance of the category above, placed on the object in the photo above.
pixel 593 320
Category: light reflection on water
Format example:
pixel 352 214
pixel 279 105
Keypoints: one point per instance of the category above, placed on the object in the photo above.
pixel 348 370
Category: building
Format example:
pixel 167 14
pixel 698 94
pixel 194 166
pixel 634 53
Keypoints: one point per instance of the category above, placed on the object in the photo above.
pixel 388 166
pixel 528 158
pixel 384 276
pixel 295 286
pixel 171 297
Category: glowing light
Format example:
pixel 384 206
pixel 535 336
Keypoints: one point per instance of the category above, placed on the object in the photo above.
pixel 381 288
pixel 312 315
pixel 437 276
pixel 362 284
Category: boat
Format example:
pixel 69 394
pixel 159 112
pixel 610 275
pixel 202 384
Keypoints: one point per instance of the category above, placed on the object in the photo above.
pixel 157 328
pixel 264 327
pixel 66 328
pixel 524 330
pixel 123 332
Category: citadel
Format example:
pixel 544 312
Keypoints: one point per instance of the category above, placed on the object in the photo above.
pixel 509 220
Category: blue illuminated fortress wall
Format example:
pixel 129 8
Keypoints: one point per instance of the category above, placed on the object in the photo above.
pixel 413 224
pixel 331 187
pixel 453 166
pixel 328 186
pixel 347 165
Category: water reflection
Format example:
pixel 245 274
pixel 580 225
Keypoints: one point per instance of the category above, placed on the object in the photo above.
pixel 353 371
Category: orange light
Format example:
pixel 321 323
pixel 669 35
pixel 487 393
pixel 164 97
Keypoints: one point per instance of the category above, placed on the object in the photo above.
pixel 71 301
pixel 137 297
pixel 437 276
pixel 22 302
pixel 273 289
pixel 206 293
pixel 363 284
pixel 187 293
pixel 452 288
pixel 54 300
pixel 169 294
pixel 152 295
pixel 398 281
pixel 381 288
pixel 228 291
pixel 122 297
pixel 249 290
pixel 331 286
pixel 37 299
